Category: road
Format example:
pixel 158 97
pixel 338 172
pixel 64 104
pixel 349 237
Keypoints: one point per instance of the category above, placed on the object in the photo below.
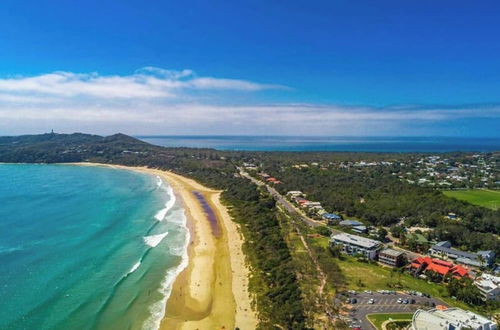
pixel 282 201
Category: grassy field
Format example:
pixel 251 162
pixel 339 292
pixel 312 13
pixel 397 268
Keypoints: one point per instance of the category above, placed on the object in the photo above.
pixel 370 276
pixel 378 319
pixel 481 197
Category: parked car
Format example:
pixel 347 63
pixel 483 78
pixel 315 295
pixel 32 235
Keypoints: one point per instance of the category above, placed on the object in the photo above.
pixel 400 300
pixel 371 301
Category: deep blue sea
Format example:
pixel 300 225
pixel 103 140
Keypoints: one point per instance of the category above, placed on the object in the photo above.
pixel 325 143
pixel 86 247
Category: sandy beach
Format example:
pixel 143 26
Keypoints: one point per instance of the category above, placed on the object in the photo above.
pixel 212 292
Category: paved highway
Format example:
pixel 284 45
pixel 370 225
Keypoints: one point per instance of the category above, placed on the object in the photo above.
pixel 282 201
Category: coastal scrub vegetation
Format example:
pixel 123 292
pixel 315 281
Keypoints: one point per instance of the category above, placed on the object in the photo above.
pixel 273 281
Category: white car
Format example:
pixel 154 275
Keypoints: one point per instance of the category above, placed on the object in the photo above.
pixel 371 301
pixel 400 301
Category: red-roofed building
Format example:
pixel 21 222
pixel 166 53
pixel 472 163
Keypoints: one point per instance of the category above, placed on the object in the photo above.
pixel 441 270
pixel 419 264
pixel 442 263
pixel 437 266
pixel 459 271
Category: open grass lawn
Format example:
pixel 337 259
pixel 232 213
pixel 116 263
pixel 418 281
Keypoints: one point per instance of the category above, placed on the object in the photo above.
pixel 366 276
pixel 481 197
pixel 378 319
pixel 369 276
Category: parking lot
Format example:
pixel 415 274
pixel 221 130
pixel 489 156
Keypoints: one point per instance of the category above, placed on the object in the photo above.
pixel 369 303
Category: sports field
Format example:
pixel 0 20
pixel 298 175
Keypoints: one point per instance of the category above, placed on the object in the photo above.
pixel 481 197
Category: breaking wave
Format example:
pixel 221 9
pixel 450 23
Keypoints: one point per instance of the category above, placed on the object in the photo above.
pixel 154 240
pixel 160 216
pixel 134 268
pixel 158 309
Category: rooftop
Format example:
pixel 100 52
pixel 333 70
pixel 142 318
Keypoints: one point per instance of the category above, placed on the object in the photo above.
pixel 488 282
pixel 295 192
pixel 392 252
pixel 350 223
pixel 456 252
pixel 356 240
pixel 331 216
pixel 449 318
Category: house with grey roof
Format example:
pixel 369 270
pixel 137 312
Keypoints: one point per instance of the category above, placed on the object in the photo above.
pixel 353 244
pixel 480 259
pixel 350 223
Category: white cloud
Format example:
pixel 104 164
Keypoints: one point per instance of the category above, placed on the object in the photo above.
pixel 158 101
pixel 145 83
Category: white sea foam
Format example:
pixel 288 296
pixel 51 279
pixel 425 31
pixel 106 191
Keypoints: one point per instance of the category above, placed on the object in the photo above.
pixel 134 268
pixel 154 240
pixel 176 250
pixel 158 309
pixel 159 181
pixel 160 216
pixel 174 217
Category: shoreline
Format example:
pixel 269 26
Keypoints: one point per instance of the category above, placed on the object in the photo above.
pixel 212 291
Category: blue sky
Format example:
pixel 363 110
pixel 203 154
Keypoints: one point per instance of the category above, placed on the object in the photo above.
pixel 320 67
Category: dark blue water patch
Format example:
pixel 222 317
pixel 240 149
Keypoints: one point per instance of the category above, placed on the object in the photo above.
pixel 329 143
pixel 209 212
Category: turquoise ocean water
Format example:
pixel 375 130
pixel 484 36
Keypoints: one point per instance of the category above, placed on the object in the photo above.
pixel 86 247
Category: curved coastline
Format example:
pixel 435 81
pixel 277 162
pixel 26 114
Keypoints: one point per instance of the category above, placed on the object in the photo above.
pixel 212 289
